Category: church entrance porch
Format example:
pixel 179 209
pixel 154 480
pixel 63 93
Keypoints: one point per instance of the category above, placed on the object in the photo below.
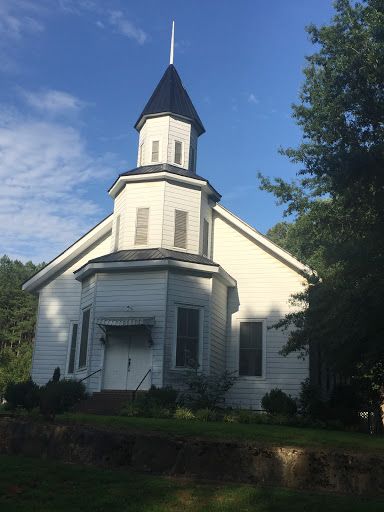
pixel 127 359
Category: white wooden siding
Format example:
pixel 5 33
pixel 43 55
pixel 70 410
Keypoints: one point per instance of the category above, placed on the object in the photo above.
pixel 150 195
pixel 264 285
pixel 59 304
pixel 119 209
pixel 179 197
pixel 187 290
pixel 218 327
pixel 206 213
pixel 144 293
pixel 179 130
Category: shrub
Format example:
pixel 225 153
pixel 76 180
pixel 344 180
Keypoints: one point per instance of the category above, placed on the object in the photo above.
pixel 278 402
pixel 57 397
pixel 309 401
pixel 205 391
pixel 130 409
pixel 206 415
pixel 230 417
pixel 344 405
pixel 183 413
pixel 164 397
pixel 22 394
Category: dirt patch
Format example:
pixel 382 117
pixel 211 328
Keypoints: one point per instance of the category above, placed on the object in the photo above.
pixel 201 459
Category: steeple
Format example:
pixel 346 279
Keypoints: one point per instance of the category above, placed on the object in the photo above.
pixel 169 125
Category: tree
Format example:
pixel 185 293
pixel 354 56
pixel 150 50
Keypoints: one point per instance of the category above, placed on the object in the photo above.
pixel 18 311
pixel 339 197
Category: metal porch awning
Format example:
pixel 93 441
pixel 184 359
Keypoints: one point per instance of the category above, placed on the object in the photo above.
pixel 126 322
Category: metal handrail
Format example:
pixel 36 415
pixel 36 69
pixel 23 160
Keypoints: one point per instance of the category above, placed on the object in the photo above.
pixel 142 380
pixel 90 375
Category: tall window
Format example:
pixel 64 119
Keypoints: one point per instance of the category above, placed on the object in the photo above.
pixel 205 237
pixel 178 147
pixel 72 350
pixel 84 338
pixel 155 151
pixel 117 233
pixel 141 237
pixel 251 349
pixel 187 342
pixel 181 218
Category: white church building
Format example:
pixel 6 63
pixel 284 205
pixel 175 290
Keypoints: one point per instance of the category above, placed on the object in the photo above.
pixel 170 278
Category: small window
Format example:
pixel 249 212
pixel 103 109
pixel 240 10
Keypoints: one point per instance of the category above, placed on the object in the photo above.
pixel 117 234
pixel 187 343
pixel 205 237
pixel 141 157
pixel 192 160
pixel 141 237
pixel 178 147
pixel 155 151
pixel 180 229
pixel 84 338
pixel 72 350
pixel 251 349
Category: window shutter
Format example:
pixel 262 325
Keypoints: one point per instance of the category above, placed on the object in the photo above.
pixel 180 229
pixel 142 226
pixel 192 164
pixel 205 237
pixel 155 151
pixel 84 338
pixel 178 147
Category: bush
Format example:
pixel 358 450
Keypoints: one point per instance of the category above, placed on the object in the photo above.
pixel 22 394
pixel 164 397
pixel 183 413
pixel 309 401
pixel 130 410
pixel 344 405
pixel 206 415
pixel 205 391
pixel 57 397
pixel 277 402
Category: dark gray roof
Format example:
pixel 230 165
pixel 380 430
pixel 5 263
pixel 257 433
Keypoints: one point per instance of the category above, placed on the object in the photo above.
pixel 173 169
pixel 151 254
pixel 171 96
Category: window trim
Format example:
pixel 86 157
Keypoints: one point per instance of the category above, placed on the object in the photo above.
pixel 201 335
pixel 263 321
pixel 159 160
pixel 181 152
pixel 72 323
pixel 84 367
pixel 149 215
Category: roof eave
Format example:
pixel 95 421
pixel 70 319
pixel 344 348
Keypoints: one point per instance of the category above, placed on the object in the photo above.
pixel 140 122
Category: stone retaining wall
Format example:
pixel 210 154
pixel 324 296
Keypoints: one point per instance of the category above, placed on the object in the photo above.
pixel 234 461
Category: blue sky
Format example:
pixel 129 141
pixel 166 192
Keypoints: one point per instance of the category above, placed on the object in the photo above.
pixel 75 75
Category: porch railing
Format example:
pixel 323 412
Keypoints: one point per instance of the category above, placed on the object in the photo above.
pixel 90 375
pixel 142 380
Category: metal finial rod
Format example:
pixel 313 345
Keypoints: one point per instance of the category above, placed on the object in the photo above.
pixel 172 43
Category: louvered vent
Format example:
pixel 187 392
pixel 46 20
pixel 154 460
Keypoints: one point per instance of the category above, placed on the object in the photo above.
pixel 155 151
pixel 142 226
pixel 181 229
pixel 205 237
pixel 178 147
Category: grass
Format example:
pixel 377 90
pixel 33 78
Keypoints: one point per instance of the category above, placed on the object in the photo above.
pixel 266 435
pixel 33 485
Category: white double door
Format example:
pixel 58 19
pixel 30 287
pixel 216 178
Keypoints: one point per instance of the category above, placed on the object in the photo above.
pixel 127 360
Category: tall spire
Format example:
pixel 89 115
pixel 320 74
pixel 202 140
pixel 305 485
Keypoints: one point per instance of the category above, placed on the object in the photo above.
pixel 172 43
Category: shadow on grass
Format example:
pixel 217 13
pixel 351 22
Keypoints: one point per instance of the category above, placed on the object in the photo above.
pixel 33 485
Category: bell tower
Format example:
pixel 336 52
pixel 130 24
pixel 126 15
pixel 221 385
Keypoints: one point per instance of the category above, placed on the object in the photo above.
pixel 169 125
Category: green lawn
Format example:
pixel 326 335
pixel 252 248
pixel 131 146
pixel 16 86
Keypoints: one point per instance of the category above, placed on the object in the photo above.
pixel 33 485
pixel 266 435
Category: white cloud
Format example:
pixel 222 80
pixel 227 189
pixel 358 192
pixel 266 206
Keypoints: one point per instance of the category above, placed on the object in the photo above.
pixel 252 99
pixel 126 27
pixel 100 24
pixel 44 173
pixel 52 101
